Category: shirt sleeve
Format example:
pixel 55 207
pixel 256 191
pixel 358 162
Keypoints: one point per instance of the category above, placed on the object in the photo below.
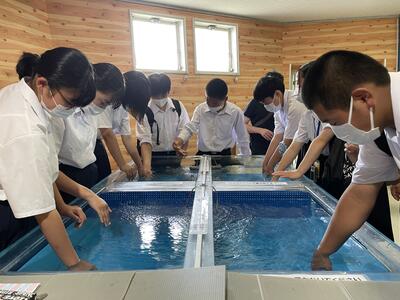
pixel 242 135
pixel 295 111
pixel 279 127
pixel 143 132
pixel 27 176
pixel 191 127
pixel 301 134
pixel 104 120
pixel 184 118
pixel 374 166
pixel 125 124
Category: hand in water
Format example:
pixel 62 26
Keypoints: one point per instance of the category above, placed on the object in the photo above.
pixel 321 262
pixel 287 174
pixel 130 171
pixel 147 173
pixel 82 266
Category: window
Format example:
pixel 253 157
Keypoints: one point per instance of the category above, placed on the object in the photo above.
pixel 158 43
pixel 216 47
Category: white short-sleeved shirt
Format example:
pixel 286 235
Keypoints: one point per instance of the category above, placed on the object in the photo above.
pixel 28 160
pixel 169 125
pixel 309 128
pixel 374 165
pixel 117 119
pixel 288 117
pixel 75 138
pixel 218 131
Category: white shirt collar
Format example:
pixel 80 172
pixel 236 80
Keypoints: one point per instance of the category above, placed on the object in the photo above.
pixel 395 93
pixel 33 100
pixel 154 107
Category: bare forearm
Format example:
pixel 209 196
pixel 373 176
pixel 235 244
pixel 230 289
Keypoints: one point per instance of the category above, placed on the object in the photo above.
pixel 351 212
pixel 130 145
pixel 112 145
pixel 58 198
pixel 69 186
pixel 290 155
pixel 272 147
pixel 53 229
pixel 146 150
pixel 252 129
pixel 311 156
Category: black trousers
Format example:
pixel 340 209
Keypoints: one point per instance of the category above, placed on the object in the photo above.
pixel 86 177
pixel 102 161
pixel 11 229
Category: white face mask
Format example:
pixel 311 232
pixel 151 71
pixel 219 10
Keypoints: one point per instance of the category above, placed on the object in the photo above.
pixel 59 110
pixel 216 109
pixel 348 133
pixel 272 107
pixel 160 102
pixel 93 109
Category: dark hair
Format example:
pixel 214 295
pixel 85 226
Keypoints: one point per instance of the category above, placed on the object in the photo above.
pixel 109 79
pixel 25 64
pixel 137 94
pixel 267 85
pixel 67 68
pixel 275 74
pixel 217 88
pixel 160 84
pixel 333 76
pixel 303 70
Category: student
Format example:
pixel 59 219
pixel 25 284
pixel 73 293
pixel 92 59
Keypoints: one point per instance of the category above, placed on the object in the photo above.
pixel 109 78
pixel 24 67
pixel 165 118
pixel 260 126
pixel 309 128
pixel 113 122
pixel 359 106
pixel 134 101
pixel 337 174
pixel 215 122
pixel 270 90
pixel 76 135
pixel 62 80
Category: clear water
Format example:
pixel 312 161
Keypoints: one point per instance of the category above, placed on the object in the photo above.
pixel 148 231
pixel 256 231
pixel 174 174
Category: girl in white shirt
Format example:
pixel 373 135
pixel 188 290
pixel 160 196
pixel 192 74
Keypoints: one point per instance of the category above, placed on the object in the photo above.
pixel 62 80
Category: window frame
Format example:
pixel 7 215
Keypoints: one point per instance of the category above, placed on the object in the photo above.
pixel 231 55
pixel 165 19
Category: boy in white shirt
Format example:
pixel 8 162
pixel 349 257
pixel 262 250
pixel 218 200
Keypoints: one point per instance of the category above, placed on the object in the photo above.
pixel 360 99
pixel 270 90
pixel 216 122
pixel 165 118
pixel 112 122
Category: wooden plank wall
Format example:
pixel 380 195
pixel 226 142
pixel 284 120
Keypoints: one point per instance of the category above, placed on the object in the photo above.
pixel 23 27
pixel 101 29
pixel 303 42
